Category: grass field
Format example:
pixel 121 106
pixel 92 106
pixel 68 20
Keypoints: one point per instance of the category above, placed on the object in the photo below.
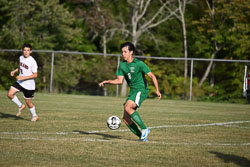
pixel 72 132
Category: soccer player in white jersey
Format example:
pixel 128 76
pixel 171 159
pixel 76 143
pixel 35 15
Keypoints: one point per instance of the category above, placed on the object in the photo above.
pixel 25 82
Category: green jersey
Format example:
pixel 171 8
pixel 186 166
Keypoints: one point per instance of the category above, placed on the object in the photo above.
pixel 134 73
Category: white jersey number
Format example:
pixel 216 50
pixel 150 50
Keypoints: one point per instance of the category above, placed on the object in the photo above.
pixel 129 76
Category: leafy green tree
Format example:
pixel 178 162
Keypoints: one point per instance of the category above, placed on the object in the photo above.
pixel 47 25
pixel 5 79
pixel 220 30
pixel 223 32
pixel 4 12
pixel 101 27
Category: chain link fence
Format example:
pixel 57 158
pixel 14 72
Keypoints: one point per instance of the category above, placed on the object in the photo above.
pixel 75 72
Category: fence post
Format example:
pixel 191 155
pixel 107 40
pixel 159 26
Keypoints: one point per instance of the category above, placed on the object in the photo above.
pixel 117 86
pixel 191 80
pixel 51 72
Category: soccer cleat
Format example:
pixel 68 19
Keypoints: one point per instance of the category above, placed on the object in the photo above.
pixel 19 112
pixel 34 119
pixel 143 140
pixel 144 133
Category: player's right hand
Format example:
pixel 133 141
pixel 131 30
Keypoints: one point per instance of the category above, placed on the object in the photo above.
pixel 101 84
pixel 159 95
pixel 12 73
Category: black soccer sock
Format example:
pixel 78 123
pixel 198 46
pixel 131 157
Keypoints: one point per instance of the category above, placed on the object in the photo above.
pixel 133 127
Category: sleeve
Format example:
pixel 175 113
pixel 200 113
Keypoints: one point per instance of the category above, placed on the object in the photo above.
pixel 119 71
pixel 144 68
pixel 34 67
pixel 20 58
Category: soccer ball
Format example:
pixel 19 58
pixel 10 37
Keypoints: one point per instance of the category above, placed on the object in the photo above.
pixel 113 122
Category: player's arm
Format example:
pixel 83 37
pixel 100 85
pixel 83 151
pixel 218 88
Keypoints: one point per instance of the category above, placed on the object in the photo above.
pixel 12 73
pixel 152 76
pixel 116 81
pixel 33 76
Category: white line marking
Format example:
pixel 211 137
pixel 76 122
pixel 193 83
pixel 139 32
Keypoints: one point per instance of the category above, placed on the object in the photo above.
pixel 121 141
pixel 241 127
pixel 201 125
pixel 125 130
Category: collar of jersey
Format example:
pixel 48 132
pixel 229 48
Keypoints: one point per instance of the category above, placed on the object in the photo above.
pixel 134 60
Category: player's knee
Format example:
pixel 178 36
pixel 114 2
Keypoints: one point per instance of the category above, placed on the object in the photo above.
pixel 10 96
pixel 29 103
pixel 127 108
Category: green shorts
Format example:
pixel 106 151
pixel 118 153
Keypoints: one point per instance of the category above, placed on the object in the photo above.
pixel 137 96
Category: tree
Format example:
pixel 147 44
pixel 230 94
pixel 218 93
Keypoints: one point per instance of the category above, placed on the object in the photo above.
pixel 224 23
pixel 211 11
pixel 101 27
pixel 180 15
pixel 135 18
pixel 145 15
pixel 47 25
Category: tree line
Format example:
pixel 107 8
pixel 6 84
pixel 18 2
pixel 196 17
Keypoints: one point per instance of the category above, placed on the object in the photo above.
pixel 214 29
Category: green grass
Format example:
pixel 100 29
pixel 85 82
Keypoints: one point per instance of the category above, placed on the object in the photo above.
pixel 72 131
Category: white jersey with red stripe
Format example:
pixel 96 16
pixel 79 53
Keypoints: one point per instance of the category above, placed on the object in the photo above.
pixel 27 66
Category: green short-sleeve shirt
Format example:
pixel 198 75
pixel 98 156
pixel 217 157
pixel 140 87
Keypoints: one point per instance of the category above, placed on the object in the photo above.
pixel 134 73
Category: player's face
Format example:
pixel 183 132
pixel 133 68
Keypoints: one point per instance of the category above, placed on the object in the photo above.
pixel 26 52
pixel 126 54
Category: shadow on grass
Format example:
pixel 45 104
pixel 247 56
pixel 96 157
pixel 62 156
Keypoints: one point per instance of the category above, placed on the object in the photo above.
pixel 240 161
pixel 105 136
pixel 11 116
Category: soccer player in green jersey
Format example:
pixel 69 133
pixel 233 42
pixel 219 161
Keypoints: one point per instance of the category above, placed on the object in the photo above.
pixel 134 70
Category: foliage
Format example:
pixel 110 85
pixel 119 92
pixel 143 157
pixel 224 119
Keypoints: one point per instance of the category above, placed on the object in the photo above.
pixel 46 25
pixel 229 26
pixel 5 79
pixel 71 25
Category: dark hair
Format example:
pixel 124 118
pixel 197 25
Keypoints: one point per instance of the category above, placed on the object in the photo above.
pixel 26 45
pixel 130 46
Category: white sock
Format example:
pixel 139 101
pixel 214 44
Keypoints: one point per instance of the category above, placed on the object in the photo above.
pixel 16 101
pixel 33 111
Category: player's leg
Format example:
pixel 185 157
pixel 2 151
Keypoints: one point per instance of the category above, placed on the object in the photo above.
pixel 28 95
pixel 131 125
pixel 134 101
pixel 12 96
pixel 130 109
